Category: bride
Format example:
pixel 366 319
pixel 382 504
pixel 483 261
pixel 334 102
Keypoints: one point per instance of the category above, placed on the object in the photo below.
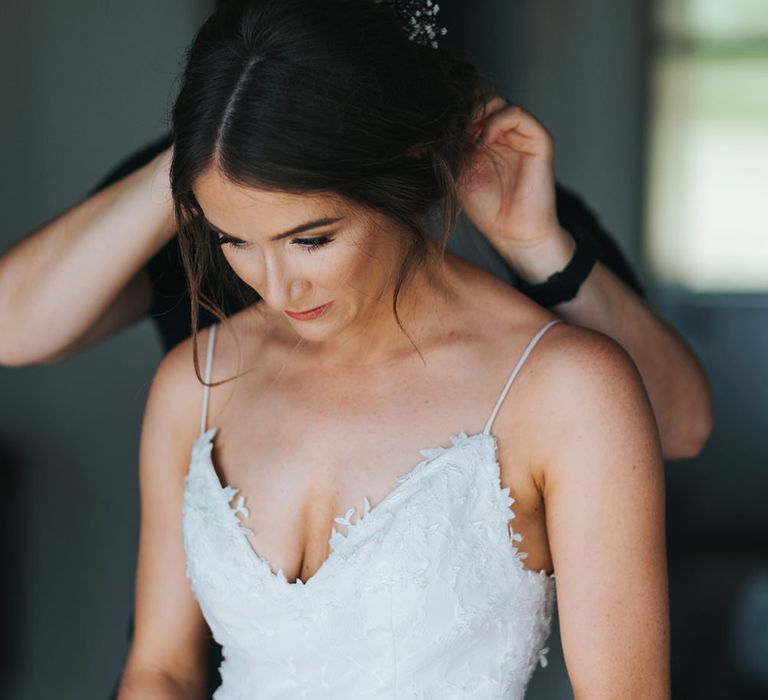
pixel 331 490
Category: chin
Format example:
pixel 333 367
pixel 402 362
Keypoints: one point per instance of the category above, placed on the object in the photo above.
pixel 313 335
pixel 319 331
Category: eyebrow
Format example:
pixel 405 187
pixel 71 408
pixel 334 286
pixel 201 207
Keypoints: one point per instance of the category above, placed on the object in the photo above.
pixel 317 223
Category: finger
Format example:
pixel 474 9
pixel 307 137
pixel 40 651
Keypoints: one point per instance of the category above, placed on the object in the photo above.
pixel 514 118
pixel 489 106
pixel 493 104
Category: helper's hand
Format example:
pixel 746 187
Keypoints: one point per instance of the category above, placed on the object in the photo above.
pixel 508 189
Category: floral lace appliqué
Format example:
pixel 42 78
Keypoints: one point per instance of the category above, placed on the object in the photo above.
pixel 433 567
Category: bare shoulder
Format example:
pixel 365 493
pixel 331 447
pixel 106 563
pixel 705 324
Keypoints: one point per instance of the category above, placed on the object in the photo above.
pixel 595 456
pixel 584 358
pixel 236 338
pixel 571 372
pixel 175 396
pixel 239 347
pixel 584 395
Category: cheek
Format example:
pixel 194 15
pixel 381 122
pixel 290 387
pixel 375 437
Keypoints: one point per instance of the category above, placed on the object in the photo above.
pixel 356 265
pixel 332 269
pixel 340 268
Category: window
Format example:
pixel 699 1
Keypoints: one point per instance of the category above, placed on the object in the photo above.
pixel 708 170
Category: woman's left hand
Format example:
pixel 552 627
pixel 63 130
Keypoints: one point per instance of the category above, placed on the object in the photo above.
pixel 507 190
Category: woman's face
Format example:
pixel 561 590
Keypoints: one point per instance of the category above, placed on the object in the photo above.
pixel 324 264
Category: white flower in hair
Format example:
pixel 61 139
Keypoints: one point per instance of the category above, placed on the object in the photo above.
pixel 420 18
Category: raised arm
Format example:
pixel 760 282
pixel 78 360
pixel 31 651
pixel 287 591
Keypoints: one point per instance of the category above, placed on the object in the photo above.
pixel 80 277
pixel 167 658
pixel 599 466
pixel 509 196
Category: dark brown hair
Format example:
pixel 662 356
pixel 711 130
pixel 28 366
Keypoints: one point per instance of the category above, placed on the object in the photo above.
pixel 318 96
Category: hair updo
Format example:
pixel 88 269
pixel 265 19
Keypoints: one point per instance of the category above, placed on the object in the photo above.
pixel 311 96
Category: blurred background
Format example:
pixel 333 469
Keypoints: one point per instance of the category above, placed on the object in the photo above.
pixel 659 110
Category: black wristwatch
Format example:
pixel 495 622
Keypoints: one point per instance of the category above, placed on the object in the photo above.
pixel 564 285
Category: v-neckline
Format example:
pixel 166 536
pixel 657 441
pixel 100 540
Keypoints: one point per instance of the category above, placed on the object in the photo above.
pixel 227 492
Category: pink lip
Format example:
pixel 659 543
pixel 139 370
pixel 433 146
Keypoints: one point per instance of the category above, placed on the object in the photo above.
pixel 310 315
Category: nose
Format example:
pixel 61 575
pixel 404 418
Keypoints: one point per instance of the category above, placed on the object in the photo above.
pixel 282 287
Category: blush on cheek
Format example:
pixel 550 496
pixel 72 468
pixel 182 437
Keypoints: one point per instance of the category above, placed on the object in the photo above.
pixel 385 259
pixel 362 266
pixel 342 269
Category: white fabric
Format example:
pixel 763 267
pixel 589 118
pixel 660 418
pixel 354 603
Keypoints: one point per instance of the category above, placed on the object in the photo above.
pixel 425 597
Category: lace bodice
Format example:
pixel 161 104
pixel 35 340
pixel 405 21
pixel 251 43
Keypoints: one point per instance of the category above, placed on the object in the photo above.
pixel 426 596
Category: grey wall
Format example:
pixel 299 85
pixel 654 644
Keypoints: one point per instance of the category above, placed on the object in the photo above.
pixel 83 83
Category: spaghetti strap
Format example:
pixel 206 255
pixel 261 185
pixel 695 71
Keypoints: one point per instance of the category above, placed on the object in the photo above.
pixel 207 377
pixel 523 357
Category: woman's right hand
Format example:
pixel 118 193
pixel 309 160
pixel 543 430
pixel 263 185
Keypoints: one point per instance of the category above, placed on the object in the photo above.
pixel 80 277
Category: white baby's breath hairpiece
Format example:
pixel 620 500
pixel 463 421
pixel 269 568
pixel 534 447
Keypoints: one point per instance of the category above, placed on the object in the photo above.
pixel 420 19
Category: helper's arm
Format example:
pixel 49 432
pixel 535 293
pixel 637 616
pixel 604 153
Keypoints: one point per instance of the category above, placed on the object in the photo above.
pixel 81 277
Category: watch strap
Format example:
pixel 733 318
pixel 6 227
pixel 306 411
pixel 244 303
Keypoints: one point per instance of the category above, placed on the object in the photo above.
pixel 564 285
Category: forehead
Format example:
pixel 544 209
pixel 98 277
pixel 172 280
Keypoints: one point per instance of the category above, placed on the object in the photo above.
pixel 231 206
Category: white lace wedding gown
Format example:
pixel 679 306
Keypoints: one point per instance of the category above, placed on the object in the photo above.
pixel 425 597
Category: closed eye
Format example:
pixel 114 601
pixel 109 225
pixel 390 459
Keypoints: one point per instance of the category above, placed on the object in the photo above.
pixel 311 244
pixel 228 240
pixel 307 243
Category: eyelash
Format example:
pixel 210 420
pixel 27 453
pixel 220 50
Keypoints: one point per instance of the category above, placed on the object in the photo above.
pixel 226 240
pixel 309 244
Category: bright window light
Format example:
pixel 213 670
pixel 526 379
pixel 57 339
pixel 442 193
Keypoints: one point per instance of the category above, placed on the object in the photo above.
pixel 708 170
